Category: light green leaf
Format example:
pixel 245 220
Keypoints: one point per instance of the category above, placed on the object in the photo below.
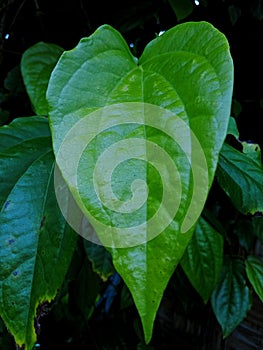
pixel 203 258
pixel 242 179
pixel 254 269
pixel 253 151
pixel 232 128
pixel 36 243
pixel 231 298
pixel 36 66
pixel 177 98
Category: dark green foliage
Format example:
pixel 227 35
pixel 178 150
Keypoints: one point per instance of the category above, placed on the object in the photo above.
pixel 89 305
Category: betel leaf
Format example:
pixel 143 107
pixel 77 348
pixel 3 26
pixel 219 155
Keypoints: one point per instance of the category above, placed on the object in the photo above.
pixel 254 270
pixel 203 258
pixel 231 298
pixel 37 64
pixel 144 134
pixel 241 177
pixel 36 244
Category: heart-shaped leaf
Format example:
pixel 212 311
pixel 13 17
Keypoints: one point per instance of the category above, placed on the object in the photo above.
pixel 138 142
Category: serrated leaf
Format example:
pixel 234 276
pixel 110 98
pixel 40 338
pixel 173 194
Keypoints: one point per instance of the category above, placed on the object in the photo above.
pixel 36 66
pixel 203 258
pixel 254 269
pixel 242 179
pixel 100 89
pixel 36 243
pixel 231 298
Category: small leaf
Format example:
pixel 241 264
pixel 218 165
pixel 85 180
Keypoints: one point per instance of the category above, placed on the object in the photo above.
pixel 36 244
pixel 242 179
pixel 253 151
pixel 100 258
pixel 36 65
pixel 202 260
pixel 231 298
pixel 232 128
pixel 254 269
pixel 181 8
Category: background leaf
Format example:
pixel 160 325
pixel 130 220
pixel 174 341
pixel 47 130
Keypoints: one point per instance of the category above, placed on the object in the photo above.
pixel 203 258
pixel 100 258
pixel 181 8
pixel 36 66
pixel 36 244
pixel 242 179
pixel 231 298
pixel 254 269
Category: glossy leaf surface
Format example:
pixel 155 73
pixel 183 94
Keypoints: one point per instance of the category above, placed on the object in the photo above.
pixel 36 243
pixel 241 177
pixel 187 74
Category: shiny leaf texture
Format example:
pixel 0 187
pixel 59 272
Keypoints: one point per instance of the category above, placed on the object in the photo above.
pixel 37 64
pixel 254 269
pixel 36 244
pixel 185 75
pixel 241 177
pixel 231 298
pixel 203 258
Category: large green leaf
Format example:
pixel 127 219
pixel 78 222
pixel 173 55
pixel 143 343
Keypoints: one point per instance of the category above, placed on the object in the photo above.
pixel 176 98
pixel 254 269
pixel 203 258
pixel 36 66
pixel 241 177
pixel 231 298
pixel 36 243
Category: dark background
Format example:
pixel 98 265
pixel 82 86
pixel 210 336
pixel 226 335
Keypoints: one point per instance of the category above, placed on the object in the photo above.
pixel 65 22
